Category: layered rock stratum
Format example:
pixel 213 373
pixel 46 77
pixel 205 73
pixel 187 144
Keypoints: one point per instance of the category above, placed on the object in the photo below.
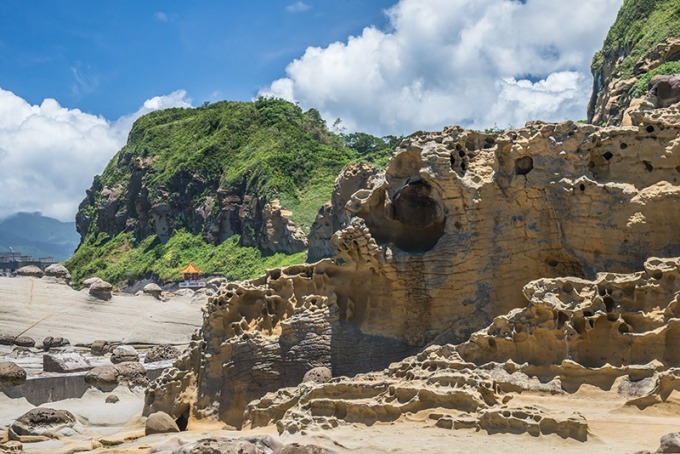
pixel 442 246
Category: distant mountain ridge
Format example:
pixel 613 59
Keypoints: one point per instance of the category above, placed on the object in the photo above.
pixel 38 235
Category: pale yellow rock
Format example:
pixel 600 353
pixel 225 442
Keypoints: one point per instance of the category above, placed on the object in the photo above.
pixel 441 244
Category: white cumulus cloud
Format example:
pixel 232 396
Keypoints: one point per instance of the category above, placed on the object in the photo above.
pixel 297 7
pixel 471 62
pixel 49 154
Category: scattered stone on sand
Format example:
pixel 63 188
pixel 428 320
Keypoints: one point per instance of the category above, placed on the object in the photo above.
pixel 24 341
pixel 65 362
pixel 161 353
pixel 11 374
pixel 54 342
pixel 6 339
pixel 318 375
pixel 255 445
pixel 216 282
pixel 184 292
pixel 30 271
pixel 41 424
pixel 152 289
pixel 669 443
pixel 100 289
pixel 160 423
pixel 124 353
pixel 100 347
pixel 112 399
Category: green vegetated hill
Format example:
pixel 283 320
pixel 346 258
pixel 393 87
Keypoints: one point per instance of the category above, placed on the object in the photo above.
pixel 640 26
pixel 190 185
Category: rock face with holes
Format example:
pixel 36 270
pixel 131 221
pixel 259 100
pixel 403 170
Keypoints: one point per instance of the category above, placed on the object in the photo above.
pixel 616 320
pixel 333 216
pixel 440 245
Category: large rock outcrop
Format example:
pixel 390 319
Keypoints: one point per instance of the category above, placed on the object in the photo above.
pixel 573 332
pixel 441 244
pixel 644 40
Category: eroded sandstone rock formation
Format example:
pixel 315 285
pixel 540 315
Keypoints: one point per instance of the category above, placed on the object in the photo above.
pixel 441 244
pixel 573 332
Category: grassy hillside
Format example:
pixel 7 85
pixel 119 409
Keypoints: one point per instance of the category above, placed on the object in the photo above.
pixel 639 26
pixel 266 149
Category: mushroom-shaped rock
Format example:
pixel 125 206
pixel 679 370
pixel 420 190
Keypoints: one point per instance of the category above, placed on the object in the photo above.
pixel 54 342
pixel 30 271
pixel 318 375
pixel 41 424
pixel 103 377
pixel 160 423
pixel 101 289
pixel 24 341
pixel 161 353
pixel 58 272
pixel 11 374
pixel 124 353
pixel 65 362
pixel 100 347
pixel 153 289
pixel 86 283
pixel 132 373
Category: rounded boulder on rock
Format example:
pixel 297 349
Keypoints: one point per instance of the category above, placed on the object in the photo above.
pixel 6 339
pixel 41 422
pixel 101 289
pixel 100 347
pixel 669 443
pixel 112 399
pixel 132 373
pixel 124 353
pixel 103 377
pixel 86 283
pixel 58 271
pixel 161 353
pixel 24 341
pixel 30 271
pixel 11 374
pixel 153 290
pixel 160 423
pixel 54 342
pixel 318 375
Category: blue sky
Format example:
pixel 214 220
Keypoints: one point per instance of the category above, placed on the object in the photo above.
pixel 106 58
pixel 74 75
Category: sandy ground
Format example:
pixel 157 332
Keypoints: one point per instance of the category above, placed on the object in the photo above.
pixel 118 428
pixel 39 308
